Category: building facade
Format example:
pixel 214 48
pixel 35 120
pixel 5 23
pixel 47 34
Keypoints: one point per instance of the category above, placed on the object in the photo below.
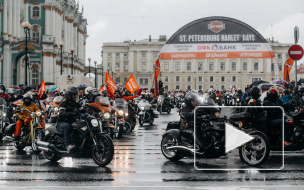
pixel 51 21
pixel 138 58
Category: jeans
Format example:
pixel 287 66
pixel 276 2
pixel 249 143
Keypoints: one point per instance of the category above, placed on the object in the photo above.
pixel 65 128
pixel 278 123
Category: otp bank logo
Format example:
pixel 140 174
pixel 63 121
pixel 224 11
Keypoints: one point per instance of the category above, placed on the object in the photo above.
pixel 206 47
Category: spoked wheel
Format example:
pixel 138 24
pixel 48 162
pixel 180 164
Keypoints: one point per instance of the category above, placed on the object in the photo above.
pixel 255 152
pixel 167 141
pixel 141 120
pixel 50 156
pixel 39 135
pixel 128 127
pixel 118 131
pixel 103 151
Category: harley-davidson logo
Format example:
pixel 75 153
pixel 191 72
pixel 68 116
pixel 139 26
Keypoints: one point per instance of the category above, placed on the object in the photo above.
pixel 216 26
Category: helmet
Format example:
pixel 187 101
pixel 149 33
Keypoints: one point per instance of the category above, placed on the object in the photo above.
pixel 286 92
pixel 88 90
pixel 70 92
pixel 190 97
pixel 255 92
pixel 148 94
pixel 116 96
pixel 291 86
pixel 1 91
pixel 272 95
pixel 35 94
pixel 95 93
pixel 27 95
pixel 143 95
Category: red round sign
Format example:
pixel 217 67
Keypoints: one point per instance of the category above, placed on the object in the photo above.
pixel 295 52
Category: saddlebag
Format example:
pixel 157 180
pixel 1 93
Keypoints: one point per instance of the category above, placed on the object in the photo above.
pixel 173 125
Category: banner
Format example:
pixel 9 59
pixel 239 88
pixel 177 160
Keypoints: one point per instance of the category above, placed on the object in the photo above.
pixel 157 70
pixel 216 38
pixel 41 90
pixel 131 84
pixel 287 67
pixel 103 88
pixel 111 84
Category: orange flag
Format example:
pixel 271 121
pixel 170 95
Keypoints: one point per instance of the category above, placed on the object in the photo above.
pixel 41 90
pixel 287 67
pixel 157 70
pixel 111 84
pixel 131 84
pixel 103 88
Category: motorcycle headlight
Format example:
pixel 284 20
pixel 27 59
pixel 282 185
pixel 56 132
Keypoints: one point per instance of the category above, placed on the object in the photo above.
pixel 120 112
pixel 217 114
pixel 160 100
pixel 56 109
pixel 38 113
pixel 4 114
pixel 94 122
pixel 126 114
pixel 142 108
pixel 47 106
pixel 227 96
pixel 217 98
pixel 237 99
pixel 107 115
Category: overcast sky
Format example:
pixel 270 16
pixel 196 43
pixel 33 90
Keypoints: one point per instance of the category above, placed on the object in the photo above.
pixel 120 20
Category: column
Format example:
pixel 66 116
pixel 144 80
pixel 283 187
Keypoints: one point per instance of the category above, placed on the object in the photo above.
pixel 10 20
pixel 261 66
pixel 268 65
pixel 18 25
pixel 121 68
pixel 75 38
pixel 113 62
pixel 65 34
pixel 71 34
pixel 53 21
pixel 249 66
pixel 7 70
pixel 14 14
pixel 5 20
pixel 149 67
pixel 171 66
pixel 194 67
pixel 238 66
pixel 26 11
pixel 216 65
pixel 47 19
pixel 206 65
pixel 131 62
pixel 138 64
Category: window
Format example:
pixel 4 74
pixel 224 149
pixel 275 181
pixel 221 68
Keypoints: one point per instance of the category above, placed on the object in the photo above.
pixel 110 65
pixel 177 66
pixel 188 65
pixel 222 87
pixel 36 35
pixel 125 55
pixel 222 65
pixel 177 87
pixel 234 79
pixel 166 66
pixel 143 66
pixel 117 66
pixel 155 54
pixel 279 56
pixel 245 66
pixel 117 80
pixel 109 54
pixel 36 12
pixel 222 79
pixel 200 65
pixel 233 65
pixel 143 81
pixel 117 55
pixel 211 66
pixel 189 87
pixel 125 79
pixel 125 67
pixel 200 87
pixel 256 79
pixel 143 54
pixel 188 78
pixel 177 78
pixel 35 77
pixel 211 79
pixel 256 66
pixel 200 79
pixel 166 79
pixel 211 86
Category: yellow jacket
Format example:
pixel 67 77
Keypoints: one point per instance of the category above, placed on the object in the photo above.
pixel 32 107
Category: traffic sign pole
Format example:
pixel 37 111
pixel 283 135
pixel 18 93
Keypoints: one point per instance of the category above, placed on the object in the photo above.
pixel 296 36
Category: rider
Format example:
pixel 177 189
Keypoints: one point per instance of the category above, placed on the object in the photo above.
pixel 255 101
pixel 286 97
pixel 68 114
pixel 95 94
pixel 29 105
pixel 36 100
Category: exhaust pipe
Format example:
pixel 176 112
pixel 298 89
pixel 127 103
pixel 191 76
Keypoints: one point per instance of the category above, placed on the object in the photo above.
pixel 183 148
pixel 44 149
pixel 43 144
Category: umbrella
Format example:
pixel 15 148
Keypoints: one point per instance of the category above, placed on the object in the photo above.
pixel 15 87
pixel 265 86
pixel 257 82
pixel 14 90
pixel 52 88
pixel 281 82
pixel 27 88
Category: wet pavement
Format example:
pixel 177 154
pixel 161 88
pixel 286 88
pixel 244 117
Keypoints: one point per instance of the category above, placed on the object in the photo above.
pixel 138 163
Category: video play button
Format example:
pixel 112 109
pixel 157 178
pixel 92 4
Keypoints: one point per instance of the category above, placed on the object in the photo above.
pixel 235 138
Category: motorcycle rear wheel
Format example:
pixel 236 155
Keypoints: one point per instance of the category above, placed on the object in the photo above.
pixel 170 140
pixel 105 152
pixel 39 135
pixel 50 156
pixel 255 152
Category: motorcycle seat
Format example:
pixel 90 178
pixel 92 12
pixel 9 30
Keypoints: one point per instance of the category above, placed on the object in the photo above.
pixel 53 129
pixel 79 123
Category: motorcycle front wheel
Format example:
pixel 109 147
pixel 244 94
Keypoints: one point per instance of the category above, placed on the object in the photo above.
pixel 118 131
pixel 39 135
pixel 255 152
pixel 141 120
pixel 103 151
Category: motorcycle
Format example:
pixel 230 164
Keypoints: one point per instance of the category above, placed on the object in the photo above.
pixel 121 125
pixel 210 137
pixel 52 111
pixel 147 113
pixel 30 132
pixel 3 115
pixel 218 100
pixel 88 138
pixel 105 113
pixel 179 99
pixel 163 104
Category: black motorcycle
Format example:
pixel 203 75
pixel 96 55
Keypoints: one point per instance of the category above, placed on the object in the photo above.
pixel 87 137
pixel 210 138
pixel 163 104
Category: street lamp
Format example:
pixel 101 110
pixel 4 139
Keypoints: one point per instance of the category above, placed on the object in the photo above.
pixel 89 67
pixel 26 26
pixel 95 62
pixel 61 44
pixel 72 51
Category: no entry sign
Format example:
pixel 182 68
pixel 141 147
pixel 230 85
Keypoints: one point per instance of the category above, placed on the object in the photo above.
pixel 295 52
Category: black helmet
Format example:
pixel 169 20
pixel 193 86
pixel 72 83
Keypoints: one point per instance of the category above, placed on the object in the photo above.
pixel 291 87
pixel 116 96
pixel 190 97
pixel 95 93
pixel 272 95
pixel 29 96
pixel 143 95
pixel 255 92
pixel 70 92
pixel 286 92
